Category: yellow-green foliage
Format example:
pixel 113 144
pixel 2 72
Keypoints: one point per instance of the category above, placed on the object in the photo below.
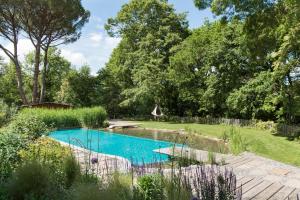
pixel 68 118
pixel 2 118
pixel 237 144
pixel 268 125
pixel 47 151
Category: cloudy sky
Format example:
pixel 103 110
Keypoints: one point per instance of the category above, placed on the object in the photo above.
pixel 95 46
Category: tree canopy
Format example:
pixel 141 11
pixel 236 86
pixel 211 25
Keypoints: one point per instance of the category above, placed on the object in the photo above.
pixel 244 64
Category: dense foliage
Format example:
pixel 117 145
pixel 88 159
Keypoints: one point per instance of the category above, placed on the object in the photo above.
pixel 49 152
pixel 138 66
pixel 220 69
pixel 45 23
pixel 66 118
pixel 243 65
pixel 10 145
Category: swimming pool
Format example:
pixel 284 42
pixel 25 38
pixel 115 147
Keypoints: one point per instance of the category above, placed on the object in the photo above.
pixel 137 150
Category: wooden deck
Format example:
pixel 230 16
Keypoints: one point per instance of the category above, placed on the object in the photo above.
pixel 260 178
pixel 122 124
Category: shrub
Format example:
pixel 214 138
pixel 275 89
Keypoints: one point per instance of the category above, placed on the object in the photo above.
pixel 119 187
pixel 2 119
pixel 236 142
pixel 68 118
pixel 31 181
pixel 151 187
pixel 86 191
pixel 6 113
pixel 177 189
pixel 211 158
pixel 211 184
pixel 28 125
pixel 268 125
pixel 71 171
pixel 10 145
pixel 49 152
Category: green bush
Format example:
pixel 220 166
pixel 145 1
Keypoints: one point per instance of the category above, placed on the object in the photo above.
pixel 236 142
pixel 177 189
pixel 71 171
pixel 30 126
pixel 151 187
pixel 212 158
pixel 268 125
pixel 119 187
pixel 10 145
pixel 6 113
pixel 68 118
pixel 49 152
pixel 86 191
pixel 31 181
pixel 2 119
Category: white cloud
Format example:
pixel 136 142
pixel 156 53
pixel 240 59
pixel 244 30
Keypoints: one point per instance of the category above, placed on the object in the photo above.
pixel 93 48
pixel 76 58
pixel 96 37
pixel 109 41
pixel 24 47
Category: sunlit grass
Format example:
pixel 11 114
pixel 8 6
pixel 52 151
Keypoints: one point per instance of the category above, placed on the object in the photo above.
pixel 261 142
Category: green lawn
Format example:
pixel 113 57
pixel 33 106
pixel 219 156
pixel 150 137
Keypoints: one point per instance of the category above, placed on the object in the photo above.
pixel 258 141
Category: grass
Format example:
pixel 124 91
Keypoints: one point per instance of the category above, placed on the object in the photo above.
pixel 67 118
pixel 193 140
pixel 260 142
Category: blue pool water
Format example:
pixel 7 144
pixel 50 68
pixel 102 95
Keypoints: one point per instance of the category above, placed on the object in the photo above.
pixel 138 150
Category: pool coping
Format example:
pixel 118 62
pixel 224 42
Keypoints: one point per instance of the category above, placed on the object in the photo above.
pixel 171 145
pixel 74 147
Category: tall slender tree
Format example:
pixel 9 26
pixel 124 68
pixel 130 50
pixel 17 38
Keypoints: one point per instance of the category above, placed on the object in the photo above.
pixel 50 23
pixel 10 28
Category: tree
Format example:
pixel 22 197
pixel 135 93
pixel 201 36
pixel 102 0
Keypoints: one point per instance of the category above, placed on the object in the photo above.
pixel 58 69
pixel 108 90
pixel 10 28
pixel 149 29
pixel 272 31
pixel 49 23
pixel 8 90
pixel 208 65
pixel 257 99
pixel 78 88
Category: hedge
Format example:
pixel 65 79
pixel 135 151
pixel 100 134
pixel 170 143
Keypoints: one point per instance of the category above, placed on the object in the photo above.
pixel 67 118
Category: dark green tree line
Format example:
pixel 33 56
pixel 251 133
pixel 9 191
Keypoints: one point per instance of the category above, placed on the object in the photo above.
pixel 245 65
pixel 149 30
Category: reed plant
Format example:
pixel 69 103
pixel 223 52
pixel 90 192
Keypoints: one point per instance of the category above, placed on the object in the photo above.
pixel 67 118
pixel 237 143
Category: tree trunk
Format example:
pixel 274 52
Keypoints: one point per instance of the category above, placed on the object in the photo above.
pixel 44 74
pixel 20 83
pixel 19 74
pixel 36 72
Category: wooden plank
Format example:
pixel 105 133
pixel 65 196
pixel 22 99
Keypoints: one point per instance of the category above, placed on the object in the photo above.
pixel 269 192
pixel 238 160
pixel 233 159
pixel 283 193
pixel 244 163
pixel 243 181
pixel 250 194
pixel 251 164
pixel 251 184
pixel 294 194
pixel 239 178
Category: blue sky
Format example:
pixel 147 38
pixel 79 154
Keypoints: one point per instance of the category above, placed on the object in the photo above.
pixel 95 46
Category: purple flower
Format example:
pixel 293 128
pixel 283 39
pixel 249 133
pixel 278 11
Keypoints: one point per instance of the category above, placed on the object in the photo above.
pixel 194 198
pixel 94 160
